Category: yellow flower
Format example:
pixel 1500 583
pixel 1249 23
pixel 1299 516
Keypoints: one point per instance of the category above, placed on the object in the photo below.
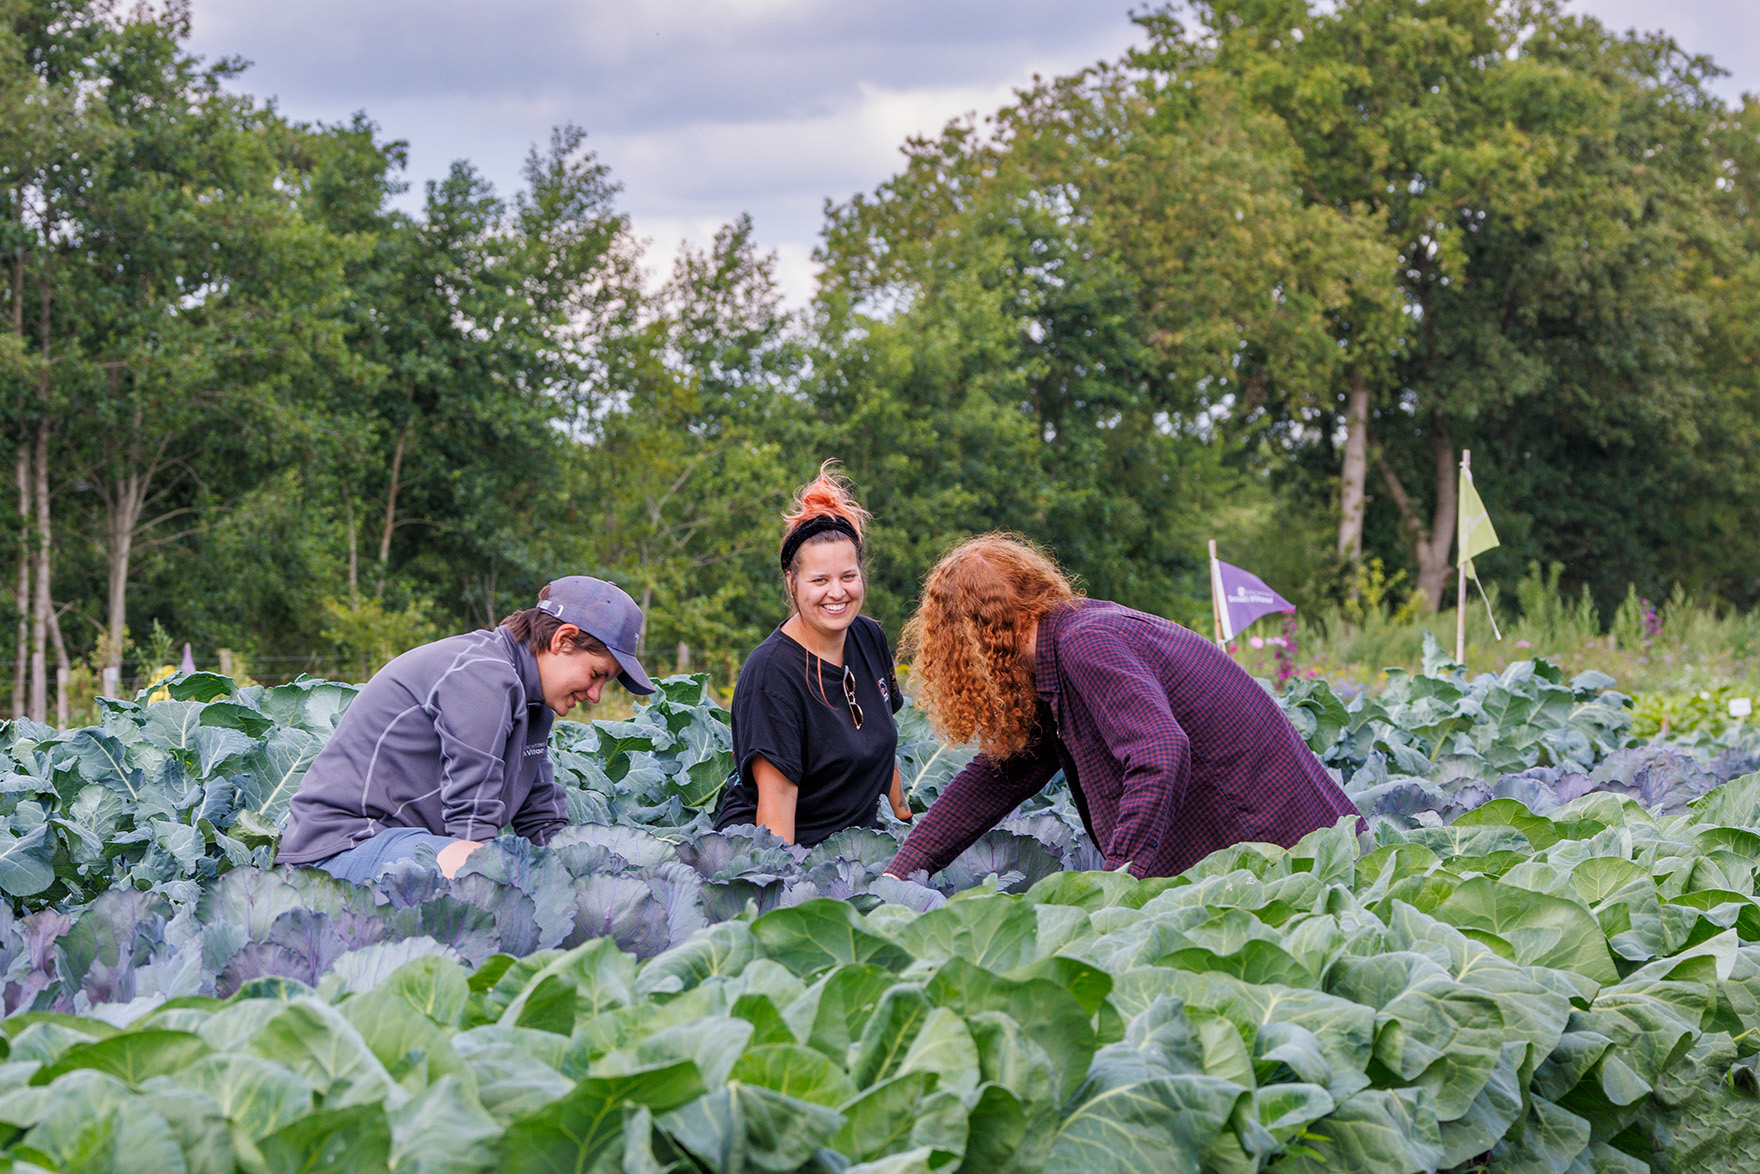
pixel 160 674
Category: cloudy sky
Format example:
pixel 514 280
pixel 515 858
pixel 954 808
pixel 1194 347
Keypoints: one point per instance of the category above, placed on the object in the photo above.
pixel 708 108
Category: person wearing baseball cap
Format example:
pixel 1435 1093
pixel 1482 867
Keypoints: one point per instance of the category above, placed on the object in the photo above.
pixel 450 742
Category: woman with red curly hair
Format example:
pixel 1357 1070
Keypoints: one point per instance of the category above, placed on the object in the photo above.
pixel 1171 750
pixel 814 740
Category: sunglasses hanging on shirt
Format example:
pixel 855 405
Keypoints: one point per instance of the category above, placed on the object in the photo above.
pixel 849 692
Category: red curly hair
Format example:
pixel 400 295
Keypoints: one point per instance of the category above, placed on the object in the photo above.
pixel 980 603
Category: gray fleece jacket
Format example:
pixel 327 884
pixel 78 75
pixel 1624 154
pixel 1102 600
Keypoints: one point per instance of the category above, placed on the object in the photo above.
pixel 452 737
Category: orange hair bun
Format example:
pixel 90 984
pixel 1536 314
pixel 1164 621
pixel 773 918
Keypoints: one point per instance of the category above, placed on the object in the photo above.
pixel 826 496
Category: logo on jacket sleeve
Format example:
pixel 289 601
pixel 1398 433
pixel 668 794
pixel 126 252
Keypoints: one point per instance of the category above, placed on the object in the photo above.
pixel 533 749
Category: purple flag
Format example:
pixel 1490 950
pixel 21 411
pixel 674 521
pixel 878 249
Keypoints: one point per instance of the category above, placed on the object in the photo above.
pixel 1243 596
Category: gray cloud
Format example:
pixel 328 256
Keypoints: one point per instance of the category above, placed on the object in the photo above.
pixel 1728 31
pixel 708 108
pixel 646 66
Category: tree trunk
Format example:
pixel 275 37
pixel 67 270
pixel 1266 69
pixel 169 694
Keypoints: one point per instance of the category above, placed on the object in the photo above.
pixel 39 707
pixel 354 564
pixel 1433 565
pixel 1352 488
pixel 642 632
pixel 127 499
pixel 63 668
pixel 21 666
pixel 1431 542
pixel 391 498
pixel 22 663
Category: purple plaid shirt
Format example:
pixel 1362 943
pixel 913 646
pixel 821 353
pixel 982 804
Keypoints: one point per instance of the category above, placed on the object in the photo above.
pixel 1171 749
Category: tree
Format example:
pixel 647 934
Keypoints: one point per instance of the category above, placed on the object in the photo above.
pixel 477 325
pixel 56 54
pixel 1039 328
pixel 1508 153
pixel 686 461
pixel 201 296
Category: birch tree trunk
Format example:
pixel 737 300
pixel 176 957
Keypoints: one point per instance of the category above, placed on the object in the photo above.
pixel 40 603
pixel 21 666
pixel 127 498
pixel 22 662
pixel 1352 492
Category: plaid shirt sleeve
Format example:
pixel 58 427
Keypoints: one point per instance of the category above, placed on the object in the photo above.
pixel 1143 736
pixel 977 799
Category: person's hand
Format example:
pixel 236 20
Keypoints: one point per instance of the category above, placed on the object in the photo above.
pixel 452 857
pixel 901 809
pixel 893 875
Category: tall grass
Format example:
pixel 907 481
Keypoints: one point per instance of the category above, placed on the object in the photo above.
pixel 1676 644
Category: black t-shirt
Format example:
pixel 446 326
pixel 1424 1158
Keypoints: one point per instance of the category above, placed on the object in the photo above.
pixel 803 728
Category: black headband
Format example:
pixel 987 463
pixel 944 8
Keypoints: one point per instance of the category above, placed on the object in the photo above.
pixel 817 524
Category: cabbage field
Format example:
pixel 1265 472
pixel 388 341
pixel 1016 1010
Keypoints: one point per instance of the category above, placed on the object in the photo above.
pixel 1549 961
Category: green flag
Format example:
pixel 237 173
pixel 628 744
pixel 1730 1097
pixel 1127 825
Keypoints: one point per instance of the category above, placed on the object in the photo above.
pixel 1476 533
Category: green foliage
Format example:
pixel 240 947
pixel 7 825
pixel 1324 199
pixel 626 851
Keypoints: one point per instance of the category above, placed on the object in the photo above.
pixel 1121 322
pixel 1702 714
pixel 684 470
pixel 158 795
pixel 157 650
pixel 1545 609
pixel 1370 593
pixel 1588 996
pixel 1122 317
pixel 1001 307
pixel 366 633
pixel 1545 198
pixel 1534 982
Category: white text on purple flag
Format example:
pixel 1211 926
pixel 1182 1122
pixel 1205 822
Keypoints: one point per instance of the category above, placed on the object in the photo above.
pixel 1245 598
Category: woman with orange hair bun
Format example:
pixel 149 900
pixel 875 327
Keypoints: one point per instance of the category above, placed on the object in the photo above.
pixel 1171 750
pixel 814 740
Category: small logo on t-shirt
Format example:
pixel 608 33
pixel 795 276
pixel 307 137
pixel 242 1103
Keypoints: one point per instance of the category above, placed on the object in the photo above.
pixel 533 749
pixel 885 693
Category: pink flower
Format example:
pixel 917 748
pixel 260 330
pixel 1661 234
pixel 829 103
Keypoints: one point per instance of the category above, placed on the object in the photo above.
pixel 1523 644
pixel 1256 641
pixel 1279 641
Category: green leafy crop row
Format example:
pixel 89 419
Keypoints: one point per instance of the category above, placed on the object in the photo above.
pixel 1569 982
pixel 1579 993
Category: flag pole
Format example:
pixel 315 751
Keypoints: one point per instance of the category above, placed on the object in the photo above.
pixel 1460 570
pixel 1215 603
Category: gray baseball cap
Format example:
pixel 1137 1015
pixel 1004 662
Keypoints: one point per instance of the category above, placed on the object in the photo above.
pixel 605 612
